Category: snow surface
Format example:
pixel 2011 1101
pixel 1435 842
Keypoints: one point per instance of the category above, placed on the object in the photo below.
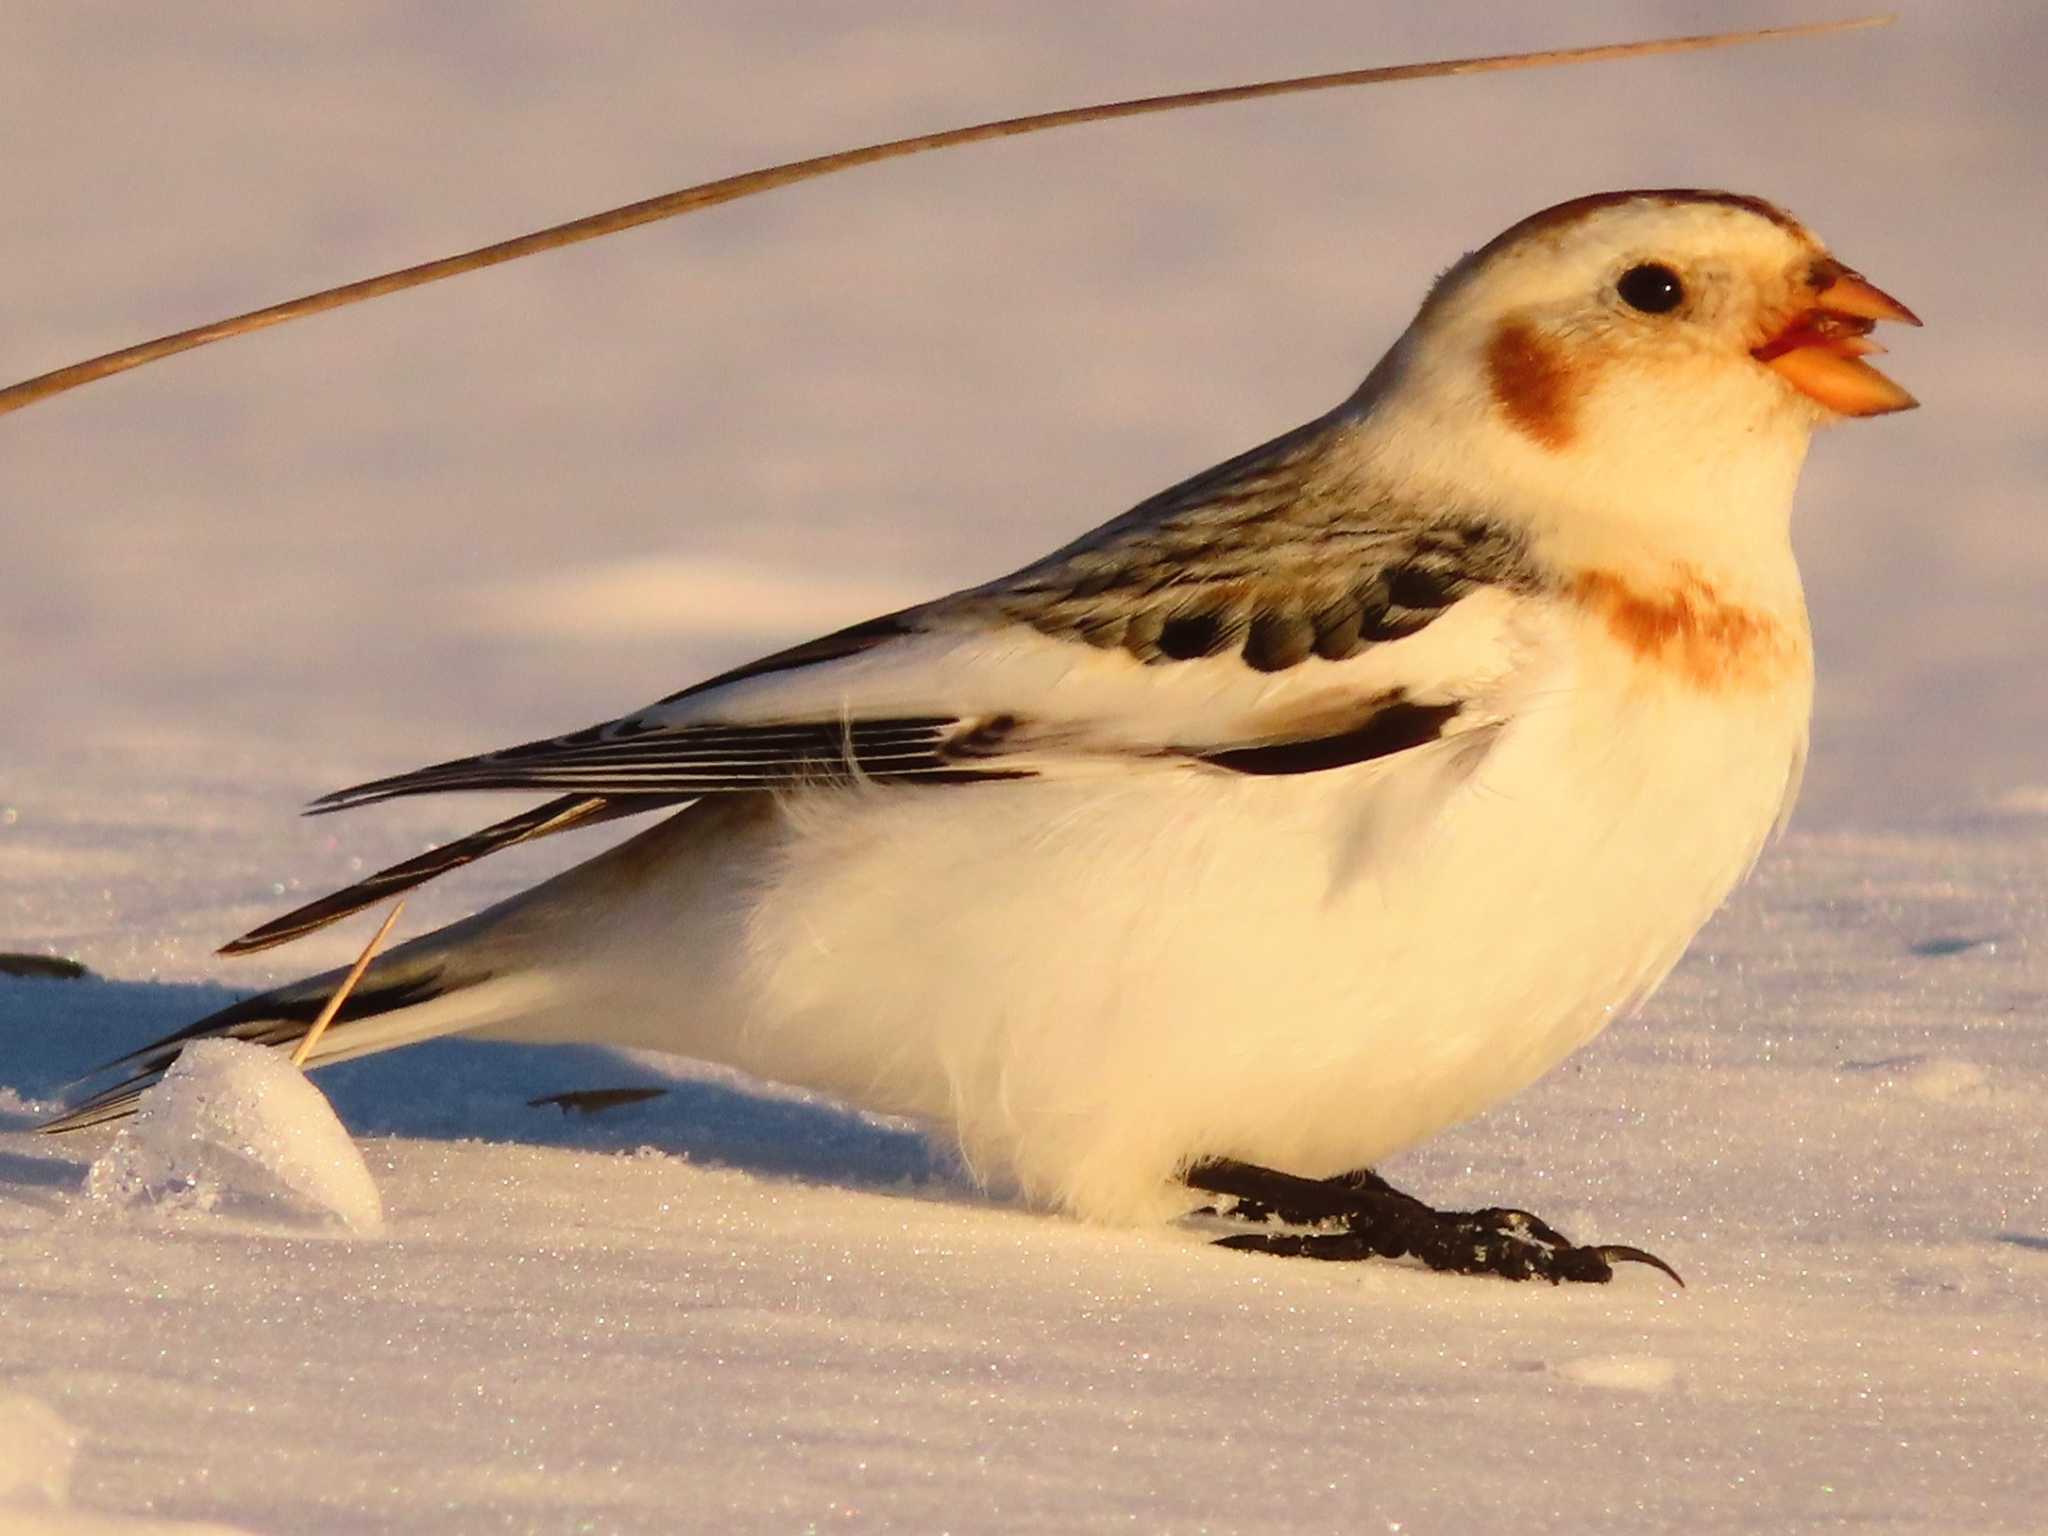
pixel 37 1449
pixel 518 503
pixel 774 1313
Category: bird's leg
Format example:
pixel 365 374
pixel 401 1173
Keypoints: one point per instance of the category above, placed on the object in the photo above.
pixel 1359 1215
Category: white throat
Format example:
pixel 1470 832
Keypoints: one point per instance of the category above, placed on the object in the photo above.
pixel 1650 479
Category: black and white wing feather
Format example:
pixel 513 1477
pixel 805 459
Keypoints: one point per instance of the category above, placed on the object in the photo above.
pixel 1269 616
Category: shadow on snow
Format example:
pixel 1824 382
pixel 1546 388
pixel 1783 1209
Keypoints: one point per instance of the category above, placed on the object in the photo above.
pixel 53 1032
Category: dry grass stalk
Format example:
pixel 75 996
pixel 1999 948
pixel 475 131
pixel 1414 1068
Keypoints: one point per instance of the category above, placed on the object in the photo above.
pixel 731 188
pixel 348 985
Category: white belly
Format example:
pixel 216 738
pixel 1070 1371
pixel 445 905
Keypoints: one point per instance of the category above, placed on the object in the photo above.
pixel 1095 982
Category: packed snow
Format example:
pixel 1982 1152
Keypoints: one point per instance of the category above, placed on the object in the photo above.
pixel 617 1292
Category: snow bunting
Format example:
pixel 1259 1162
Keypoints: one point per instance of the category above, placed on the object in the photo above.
pixel 1313 805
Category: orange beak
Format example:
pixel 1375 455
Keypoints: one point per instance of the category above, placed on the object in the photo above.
pixel 1820 353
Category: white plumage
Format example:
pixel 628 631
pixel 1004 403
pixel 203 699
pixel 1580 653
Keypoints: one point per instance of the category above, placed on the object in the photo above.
pixel 1309 808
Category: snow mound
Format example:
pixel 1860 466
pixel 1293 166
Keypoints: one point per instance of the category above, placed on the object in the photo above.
pixel 237 1126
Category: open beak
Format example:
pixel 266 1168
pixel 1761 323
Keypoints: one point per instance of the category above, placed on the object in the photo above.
pixel 1820 352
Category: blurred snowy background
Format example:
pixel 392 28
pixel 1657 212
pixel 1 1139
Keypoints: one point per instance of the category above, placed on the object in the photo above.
pixel 532 498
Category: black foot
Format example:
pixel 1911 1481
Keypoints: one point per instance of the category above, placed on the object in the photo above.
pixel 1361 1216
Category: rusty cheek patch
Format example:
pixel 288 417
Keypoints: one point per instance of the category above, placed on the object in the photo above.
pixel 1532 383
pixel 1687 630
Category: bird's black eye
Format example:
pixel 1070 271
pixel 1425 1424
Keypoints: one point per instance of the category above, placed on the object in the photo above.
pixel 1652 287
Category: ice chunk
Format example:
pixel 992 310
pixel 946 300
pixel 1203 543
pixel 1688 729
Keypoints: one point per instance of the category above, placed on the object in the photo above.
pixel 237 1125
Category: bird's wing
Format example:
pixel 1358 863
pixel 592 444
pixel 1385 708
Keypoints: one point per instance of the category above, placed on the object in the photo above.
pixel 557 815
pixel 1267 602
pixel 1266 617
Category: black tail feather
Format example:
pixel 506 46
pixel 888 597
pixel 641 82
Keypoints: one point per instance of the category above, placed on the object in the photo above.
pixel 274 1019
pixel 557 815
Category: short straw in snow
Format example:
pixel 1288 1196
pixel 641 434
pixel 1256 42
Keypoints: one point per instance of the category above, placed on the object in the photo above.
pixel 348 985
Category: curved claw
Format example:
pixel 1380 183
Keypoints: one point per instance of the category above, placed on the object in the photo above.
pixel 1617 1253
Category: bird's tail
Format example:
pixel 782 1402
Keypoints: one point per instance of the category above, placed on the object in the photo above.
pixel 431 986
pixel 519 970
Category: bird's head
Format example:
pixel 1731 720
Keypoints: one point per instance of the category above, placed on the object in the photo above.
pixel 1639 349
